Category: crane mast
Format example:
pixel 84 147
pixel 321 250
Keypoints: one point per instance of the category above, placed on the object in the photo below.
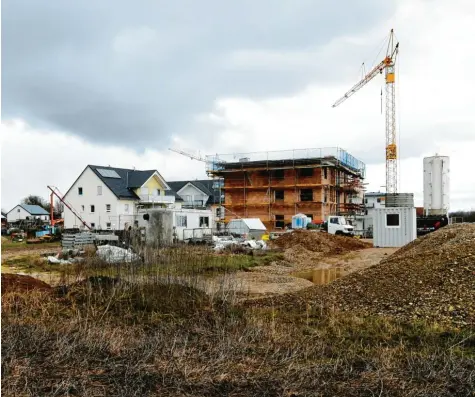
pixel 389 67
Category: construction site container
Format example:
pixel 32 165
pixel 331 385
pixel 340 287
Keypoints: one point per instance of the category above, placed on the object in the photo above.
pixel 300 221
pixel 436 185
pixel 394 226
pixel 247 228
pixel 400 200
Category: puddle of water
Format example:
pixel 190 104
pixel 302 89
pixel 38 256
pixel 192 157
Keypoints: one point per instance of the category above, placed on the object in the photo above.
pixel 321 276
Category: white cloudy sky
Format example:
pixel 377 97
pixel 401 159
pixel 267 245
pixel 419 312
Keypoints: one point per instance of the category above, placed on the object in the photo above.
pixel 114 84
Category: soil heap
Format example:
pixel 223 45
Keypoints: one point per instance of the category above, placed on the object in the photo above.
pixel 22 283
pixel 320 242
pixel 432 278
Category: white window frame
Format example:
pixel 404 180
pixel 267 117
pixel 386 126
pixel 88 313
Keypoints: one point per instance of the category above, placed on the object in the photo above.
pixel 92 208
pixel 99 190
pixel 82 208
pixel 109 226
pixel 390 226
pixel 126 208
pixel 179 220
pixel 108 208
pixel 80 192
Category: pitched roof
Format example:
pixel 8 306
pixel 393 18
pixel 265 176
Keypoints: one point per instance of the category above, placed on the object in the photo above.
pixel 34 209
pixel 205 185
pixel 129 179
pixel 251 223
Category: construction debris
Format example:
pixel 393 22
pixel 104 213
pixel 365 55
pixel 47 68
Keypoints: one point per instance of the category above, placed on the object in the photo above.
pixel 112 254
pixel 431 278
pixel 231 243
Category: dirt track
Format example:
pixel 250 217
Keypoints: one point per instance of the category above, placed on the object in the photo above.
pixel 279 278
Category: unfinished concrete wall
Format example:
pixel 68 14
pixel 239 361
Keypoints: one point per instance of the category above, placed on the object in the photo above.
pixel 159 228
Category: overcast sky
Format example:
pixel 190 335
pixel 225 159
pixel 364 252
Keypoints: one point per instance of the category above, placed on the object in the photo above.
pixel 117 83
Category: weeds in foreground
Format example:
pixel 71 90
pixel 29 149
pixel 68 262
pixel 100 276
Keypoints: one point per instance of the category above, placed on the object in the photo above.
pixel 148 329
pixel 106 336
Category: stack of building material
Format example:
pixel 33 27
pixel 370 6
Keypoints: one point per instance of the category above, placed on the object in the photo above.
pixel 79 240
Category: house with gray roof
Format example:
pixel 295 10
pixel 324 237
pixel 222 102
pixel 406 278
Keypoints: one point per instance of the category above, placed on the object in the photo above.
pixel 110 197
pixel 203 193
pixel 27 212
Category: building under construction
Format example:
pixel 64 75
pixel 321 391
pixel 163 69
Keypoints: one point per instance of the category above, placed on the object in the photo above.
pixel 274 186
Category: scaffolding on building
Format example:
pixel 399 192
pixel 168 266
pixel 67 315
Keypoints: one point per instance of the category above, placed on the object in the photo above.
pixel 343 185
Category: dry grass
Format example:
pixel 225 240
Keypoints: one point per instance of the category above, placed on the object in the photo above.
pixel 144 332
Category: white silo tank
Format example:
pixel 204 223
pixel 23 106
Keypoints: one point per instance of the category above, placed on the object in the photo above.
pixel 436 185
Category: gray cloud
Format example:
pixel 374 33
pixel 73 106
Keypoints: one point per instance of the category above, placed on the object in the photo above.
pixel 131 73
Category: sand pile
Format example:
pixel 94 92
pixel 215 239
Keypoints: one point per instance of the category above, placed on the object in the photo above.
pixel 22 283
pixel 432 278
pixel 324 243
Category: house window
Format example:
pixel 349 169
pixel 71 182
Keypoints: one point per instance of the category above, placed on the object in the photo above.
pixel 108 208
pixel 366 201
pixel 279 221
pixel 325 175
pixel 325 196
pixel 108 226
pixel 279 194
pixel 82 208
pixel 306 195
pixel 278 174
pixel 378 200
pixel 181 221
pixel 99 190
pixel 93 225
pixel 157 192
pixel 306 172
pixel 126 207
pixel 93 208
pixel 18 210
pixel 80 191
pixel 392 220
pixel 204 221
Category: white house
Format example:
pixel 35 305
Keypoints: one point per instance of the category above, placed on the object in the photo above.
pixel 109 198
pixel 200 194
pixel 26 211
pixel 372 201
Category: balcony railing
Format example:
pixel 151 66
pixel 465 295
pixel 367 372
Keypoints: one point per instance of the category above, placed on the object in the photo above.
pixel 156 199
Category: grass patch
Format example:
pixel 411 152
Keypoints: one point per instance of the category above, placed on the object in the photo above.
pixel 8 246
pixel 32 264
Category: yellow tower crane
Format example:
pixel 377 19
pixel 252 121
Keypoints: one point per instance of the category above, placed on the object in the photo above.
pixel 388 65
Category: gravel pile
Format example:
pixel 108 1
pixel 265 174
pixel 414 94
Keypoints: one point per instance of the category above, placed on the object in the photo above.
pixel 320 242
pixel 432 278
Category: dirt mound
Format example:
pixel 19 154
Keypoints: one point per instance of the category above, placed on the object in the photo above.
pixel 431 278
pixel 320 242
pixel 22 283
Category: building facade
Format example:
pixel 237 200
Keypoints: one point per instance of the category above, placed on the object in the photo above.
pixel 107 198
pixel 274 186
pixel 201 194
pixel 27 212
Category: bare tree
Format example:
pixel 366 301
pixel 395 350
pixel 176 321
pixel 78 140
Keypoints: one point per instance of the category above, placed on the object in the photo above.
pixel 36 200
pixel 58 208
